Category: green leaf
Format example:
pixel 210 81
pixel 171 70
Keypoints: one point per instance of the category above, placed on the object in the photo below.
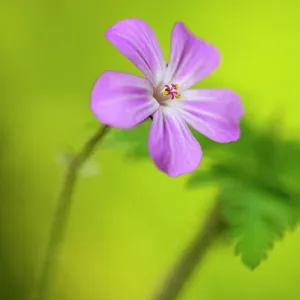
pixel 200 178
pixel 134 141
pixel 255 218
pixel 260 156
pixel 259 188
pixel 205 142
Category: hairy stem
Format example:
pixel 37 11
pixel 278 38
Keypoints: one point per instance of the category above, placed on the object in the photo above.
pixel 62 212
pixel 192 257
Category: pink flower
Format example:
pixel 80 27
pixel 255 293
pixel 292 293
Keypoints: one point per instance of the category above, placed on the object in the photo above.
pixel 123 100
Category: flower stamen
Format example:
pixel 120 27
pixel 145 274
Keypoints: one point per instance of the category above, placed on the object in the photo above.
pixel 178 96
pixel 171 91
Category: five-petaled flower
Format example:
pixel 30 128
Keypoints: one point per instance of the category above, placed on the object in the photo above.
pixel 124 101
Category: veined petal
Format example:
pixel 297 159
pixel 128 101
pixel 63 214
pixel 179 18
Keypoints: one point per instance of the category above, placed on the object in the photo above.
pixel 135 39
pixel 172 146
pixel 215 113
pixel 122 100
pixel 191 59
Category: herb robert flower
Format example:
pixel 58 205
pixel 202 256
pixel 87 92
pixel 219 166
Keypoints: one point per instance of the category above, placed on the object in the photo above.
pixel 123 100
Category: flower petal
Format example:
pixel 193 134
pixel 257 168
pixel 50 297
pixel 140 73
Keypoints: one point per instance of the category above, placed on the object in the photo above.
pixel 215 113
pixel 135 39
pixel 122 100
pixel 191 59
pixel 172 146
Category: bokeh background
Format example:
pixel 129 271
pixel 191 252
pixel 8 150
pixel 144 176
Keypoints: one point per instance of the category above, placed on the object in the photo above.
pixel 129 222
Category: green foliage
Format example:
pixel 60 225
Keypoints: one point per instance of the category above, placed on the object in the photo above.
pixel 134 141
pixel 259 188
pixel 258 178
pixel 256 218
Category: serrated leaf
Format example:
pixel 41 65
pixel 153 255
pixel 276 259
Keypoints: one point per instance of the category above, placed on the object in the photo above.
pixel 260 192
pixel 256 219
pixel 262 157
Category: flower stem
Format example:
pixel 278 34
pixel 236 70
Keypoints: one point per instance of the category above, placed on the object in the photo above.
pixel 192 257
pixel 62 212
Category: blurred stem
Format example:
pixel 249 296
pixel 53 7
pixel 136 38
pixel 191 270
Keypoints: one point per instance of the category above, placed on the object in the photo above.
pixel 192 256
pixel 62 212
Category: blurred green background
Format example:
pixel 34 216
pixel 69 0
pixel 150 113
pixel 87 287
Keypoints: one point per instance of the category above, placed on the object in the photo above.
pixel 129 222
